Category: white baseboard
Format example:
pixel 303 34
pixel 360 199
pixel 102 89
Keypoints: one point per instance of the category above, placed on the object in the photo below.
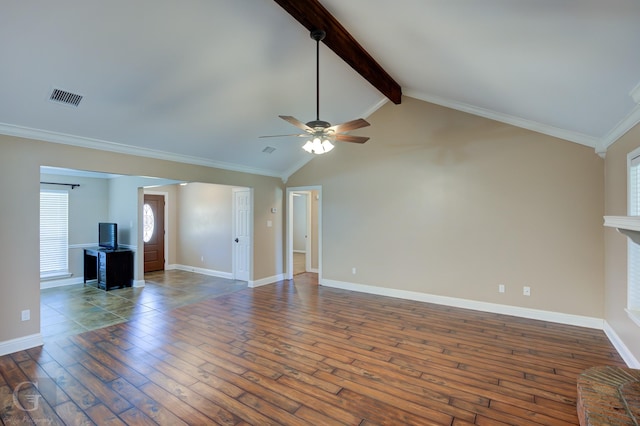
pixel 203 271
pixel 314 270
pixel 265 281
pixel 138 283
pixel 61 283
pixel 20 344
pixel 622 349
pixel 516 311
pixel 300 251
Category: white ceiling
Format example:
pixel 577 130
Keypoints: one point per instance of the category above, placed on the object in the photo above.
pixel 199 81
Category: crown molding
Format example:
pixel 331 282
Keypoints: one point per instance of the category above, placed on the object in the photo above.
pixel 624 125
pixel 619 130
pixel 635 93
pixel 300 164
pixel 556 132
pixel 66 139
pixel 375 107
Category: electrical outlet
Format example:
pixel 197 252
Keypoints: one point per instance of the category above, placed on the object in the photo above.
pixel 25 315
pixel 201 258
pixel 526 291
pixel 501 288
pixel 353 270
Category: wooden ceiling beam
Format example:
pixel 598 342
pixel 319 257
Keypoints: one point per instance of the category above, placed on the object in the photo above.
pixel 312 15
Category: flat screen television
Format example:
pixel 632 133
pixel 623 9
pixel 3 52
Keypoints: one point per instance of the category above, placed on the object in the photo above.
pixel 108 235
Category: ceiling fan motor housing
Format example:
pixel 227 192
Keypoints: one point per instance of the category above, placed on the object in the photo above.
pixel 318 123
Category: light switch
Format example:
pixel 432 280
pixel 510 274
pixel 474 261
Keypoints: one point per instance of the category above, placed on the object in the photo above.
pixel 269 224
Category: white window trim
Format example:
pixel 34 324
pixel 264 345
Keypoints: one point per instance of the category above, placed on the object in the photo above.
pixel 634 316
pixel 55 276
pixel 633 307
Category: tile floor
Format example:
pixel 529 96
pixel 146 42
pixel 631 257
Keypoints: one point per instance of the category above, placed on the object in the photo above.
pixel 74 309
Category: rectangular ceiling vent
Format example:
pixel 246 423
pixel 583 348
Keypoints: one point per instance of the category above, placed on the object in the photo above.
pixel 64 97
pixel 268 150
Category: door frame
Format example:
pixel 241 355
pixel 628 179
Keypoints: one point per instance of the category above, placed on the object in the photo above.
pixel 165 195
pixel 233 231
pixel 289 227
pixel 307 240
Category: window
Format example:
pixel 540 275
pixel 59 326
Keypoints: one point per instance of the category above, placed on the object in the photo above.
pixel 149 223
pixel 54 234
pixel 633 268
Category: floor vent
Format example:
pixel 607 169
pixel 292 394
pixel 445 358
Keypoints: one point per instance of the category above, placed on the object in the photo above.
pixel 268 150
pixel 65 97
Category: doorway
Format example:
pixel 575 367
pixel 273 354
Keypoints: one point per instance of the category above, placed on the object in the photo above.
pixel 153 232
pixel 303 231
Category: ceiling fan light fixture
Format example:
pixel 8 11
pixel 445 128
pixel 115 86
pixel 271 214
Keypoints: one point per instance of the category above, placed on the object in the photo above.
pixel 317 145
pixel 308 147
pixel 327 145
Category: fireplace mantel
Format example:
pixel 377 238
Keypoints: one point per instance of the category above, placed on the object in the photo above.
pixel 627 225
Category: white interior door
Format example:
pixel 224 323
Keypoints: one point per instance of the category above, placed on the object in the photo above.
pixel 242 234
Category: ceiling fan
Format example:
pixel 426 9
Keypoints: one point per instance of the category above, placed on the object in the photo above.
pixel 321 134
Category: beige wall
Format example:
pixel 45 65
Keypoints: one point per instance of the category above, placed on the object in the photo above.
pixel 446 203
pixel 205 225
pixel 616 243
pixel 199 224
pixel 20 161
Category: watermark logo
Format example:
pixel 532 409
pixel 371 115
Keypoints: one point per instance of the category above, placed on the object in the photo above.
pixel 32 399
pixel 27 396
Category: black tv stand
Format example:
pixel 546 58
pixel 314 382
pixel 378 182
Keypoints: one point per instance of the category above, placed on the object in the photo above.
pixel 113 268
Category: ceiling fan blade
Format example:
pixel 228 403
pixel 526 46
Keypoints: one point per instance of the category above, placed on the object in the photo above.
pixel 351 138
pixel 299 124
pixel 282 136
pixel 350 125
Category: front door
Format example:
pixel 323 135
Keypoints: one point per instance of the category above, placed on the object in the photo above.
pixel 153 232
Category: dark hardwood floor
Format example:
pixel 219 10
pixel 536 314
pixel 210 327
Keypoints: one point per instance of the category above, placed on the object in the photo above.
pixel 294 353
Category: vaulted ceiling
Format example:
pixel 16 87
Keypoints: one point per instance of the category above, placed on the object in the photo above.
pixel 200 80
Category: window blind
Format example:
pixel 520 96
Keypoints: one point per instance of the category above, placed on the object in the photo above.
pixel 633 269
pixel 54 232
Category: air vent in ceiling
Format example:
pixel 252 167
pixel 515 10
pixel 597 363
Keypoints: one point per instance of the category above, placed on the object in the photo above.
pixel 268 150
pixel 64 97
